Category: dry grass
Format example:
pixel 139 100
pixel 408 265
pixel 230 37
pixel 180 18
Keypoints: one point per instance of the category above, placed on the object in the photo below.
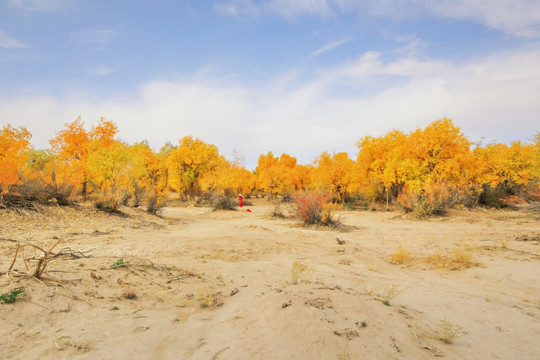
pixel 207 298
pixel 297 270
pixel 459 259
pixel 400 256
pixel 448 331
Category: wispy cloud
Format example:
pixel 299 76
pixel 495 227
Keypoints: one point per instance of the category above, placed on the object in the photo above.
pixel 516 17
pixel 294 8
pixel 238 8
pixel 40 5
pixel 100 70
pixel 8 42
pixel 98 38
pixel 328 47
pixel 285 8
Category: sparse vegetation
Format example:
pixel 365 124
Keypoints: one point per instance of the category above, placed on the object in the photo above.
pixel 458 260
pixel 448 331
pixel 400 256
pixel 461 259
pixel 389 292
pixel 297 270
pixel 222 202
pixel 10 297
pixel 277 210
pixel 118 263
pixel 207 298
pixel 314 209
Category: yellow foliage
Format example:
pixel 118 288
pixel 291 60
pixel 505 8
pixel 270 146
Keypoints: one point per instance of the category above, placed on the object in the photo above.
pixel 280 175
pixel 14 147
pixel 333 174
pixel 189 162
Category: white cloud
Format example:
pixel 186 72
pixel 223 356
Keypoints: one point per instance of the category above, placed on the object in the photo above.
pixel 328 47
pixel 494 96
pixel 8 42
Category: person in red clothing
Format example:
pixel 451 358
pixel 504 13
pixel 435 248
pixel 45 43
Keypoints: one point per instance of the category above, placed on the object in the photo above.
pixel 240 200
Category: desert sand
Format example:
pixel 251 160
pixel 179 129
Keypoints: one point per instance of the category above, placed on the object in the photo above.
pixel 199 284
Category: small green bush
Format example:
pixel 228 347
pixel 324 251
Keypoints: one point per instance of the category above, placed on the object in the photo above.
pixel 10 297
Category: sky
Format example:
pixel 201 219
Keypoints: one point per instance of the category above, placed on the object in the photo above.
pixel 288 76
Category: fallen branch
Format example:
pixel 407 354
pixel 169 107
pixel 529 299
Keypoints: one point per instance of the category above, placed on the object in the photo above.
pixel 72 253
pixel 73 296
pixel 15 257
pixel 219 352
pixel 143 276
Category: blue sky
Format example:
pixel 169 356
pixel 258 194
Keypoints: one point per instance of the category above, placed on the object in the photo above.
pixel 296 76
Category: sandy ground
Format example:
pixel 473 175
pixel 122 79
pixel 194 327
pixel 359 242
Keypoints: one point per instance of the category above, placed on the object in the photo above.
pixel 224 285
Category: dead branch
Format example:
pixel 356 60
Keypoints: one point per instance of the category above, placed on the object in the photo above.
pixel 15 257
pixel 72 253
pixel 42 263
pixel 143 276
pixel 73 296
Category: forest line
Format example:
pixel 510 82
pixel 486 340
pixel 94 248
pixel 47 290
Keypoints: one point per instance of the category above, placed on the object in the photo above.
pixel 434 168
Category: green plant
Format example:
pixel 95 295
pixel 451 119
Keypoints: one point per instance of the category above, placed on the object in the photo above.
pixel 118 263
pixel 10 297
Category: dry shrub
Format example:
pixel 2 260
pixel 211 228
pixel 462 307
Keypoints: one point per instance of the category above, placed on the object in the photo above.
pixel 108 200
pixel 447 331
pixel 297 270
pixel 462 259
pixel 34 192
pixel 400 256
pixel 277 211
pixel 435 199
pixel 512 202
pixel 314 209
pixel 154 201
pixel 222 202
pixel 207 298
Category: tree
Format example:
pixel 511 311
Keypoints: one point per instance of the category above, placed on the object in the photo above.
pixel 280 175
pixel 72 145
pixel 333 173
pixel 189 162
pixel 14 147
